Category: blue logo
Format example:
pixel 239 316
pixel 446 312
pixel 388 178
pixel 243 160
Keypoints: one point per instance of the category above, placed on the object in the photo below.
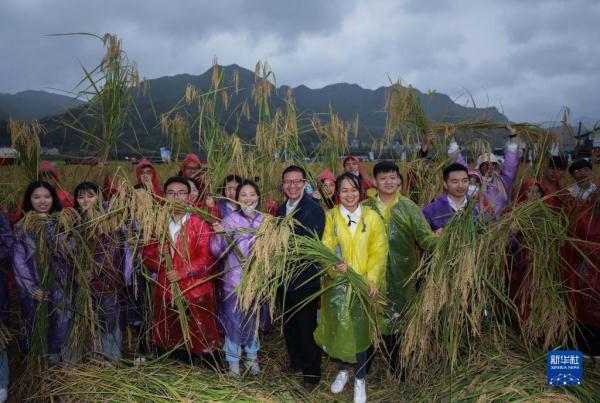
pixel 565 368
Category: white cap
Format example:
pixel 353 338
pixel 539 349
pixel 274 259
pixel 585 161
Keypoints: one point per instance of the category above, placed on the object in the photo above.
pixel 487 157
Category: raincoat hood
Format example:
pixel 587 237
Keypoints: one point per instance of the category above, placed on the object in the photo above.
pixel 138 174
pixel 522 194
pixel 47 166
pixel 189 159
pixel 326 174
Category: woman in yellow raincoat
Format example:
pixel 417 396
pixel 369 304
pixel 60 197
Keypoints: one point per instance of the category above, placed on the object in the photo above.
pixel 358 235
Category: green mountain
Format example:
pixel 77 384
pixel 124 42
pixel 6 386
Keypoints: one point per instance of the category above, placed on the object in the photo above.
pixel 347 100
pixel 31 105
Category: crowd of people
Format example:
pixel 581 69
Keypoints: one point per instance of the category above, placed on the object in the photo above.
pixel 374 229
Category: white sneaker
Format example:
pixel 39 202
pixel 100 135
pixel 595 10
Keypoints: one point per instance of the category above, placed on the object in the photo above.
pixel 3 395
pixel 360 391
pixel 234 369
pixel 141 360
pixel 340 381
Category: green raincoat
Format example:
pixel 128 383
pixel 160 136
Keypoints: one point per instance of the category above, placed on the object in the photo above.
pixel 407 231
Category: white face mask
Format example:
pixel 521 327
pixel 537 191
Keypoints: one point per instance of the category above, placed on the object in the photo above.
pixel 472 190
pixel 247 210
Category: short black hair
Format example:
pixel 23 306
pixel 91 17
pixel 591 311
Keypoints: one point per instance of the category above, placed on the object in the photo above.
pixel 177 179
pixel 558 162
pixel 386 167
pixel 85 187
pixel 246 182
pixel 455 167
pixel 349 176
pixel 580 163
pixel 56 205
pixel 293 168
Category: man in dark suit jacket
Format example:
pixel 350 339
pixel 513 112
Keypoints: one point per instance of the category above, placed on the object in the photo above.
pixel 299 325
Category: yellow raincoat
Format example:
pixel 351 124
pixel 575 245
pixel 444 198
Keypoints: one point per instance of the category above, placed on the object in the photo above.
pixel 343 328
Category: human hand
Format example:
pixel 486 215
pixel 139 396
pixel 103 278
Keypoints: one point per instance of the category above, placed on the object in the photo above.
pixel 173 276
pixel 341 267
pixel 373 291
pixel 512 132
pixel 40 295
pixel 218 228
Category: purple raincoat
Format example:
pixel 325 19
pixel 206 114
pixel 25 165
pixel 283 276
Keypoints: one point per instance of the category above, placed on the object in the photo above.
pixel 60 289
pixel 112 260
pixel 238 327
pixel 438 213
pixel 6 246
pixel 492 195
pixel 108 280
pixel 224 208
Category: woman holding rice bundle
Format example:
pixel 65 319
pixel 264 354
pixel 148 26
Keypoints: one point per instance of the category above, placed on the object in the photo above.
pixel 358 235
pixel 240 329
pixel 106 276
pixel 42 275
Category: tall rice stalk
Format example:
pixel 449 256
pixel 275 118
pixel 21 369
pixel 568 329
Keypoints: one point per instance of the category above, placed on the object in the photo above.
pixel 25 138
pixel 109 87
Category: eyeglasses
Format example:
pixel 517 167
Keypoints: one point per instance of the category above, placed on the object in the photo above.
pixel 177 194
pixel 288 182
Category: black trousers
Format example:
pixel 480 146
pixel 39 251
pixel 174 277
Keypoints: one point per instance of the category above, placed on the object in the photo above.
pixel 588 339
pixel 298 329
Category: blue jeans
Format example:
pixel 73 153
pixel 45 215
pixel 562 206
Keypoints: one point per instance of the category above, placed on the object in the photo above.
pixel 361 366
pixel 4 370
pixel 111 343
pixel 233 351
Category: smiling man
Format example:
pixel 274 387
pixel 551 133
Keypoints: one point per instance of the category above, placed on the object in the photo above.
pixel 386 193
pixel 304 354
pixel 456 185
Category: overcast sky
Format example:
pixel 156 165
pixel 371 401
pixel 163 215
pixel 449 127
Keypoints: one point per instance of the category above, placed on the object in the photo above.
pixel 526 57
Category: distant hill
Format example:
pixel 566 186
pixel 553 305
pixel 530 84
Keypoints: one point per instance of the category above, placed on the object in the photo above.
pixel 31 105
pixel 347 100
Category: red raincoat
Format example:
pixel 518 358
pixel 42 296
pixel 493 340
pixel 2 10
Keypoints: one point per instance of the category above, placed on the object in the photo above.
pixel 156 188
pixel 193 158
pixel 521 258
pixel 192 259
pixel 366 183
pixel 582 269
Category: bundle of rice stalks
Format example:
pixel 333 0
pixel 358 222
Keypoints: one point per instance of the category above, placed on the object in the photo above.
pixel 157 381
pixel 501 371
pixel 424 179
pixel 309 251
pixel 403 106
pixel 464 288
pixel 25 138
pixel 265 270
pixel 541 306
pixel 450 304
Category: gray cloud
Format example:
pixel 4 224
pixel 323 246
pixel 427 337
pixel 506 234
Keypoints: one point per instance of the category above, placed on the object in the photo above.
pixel 528 58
